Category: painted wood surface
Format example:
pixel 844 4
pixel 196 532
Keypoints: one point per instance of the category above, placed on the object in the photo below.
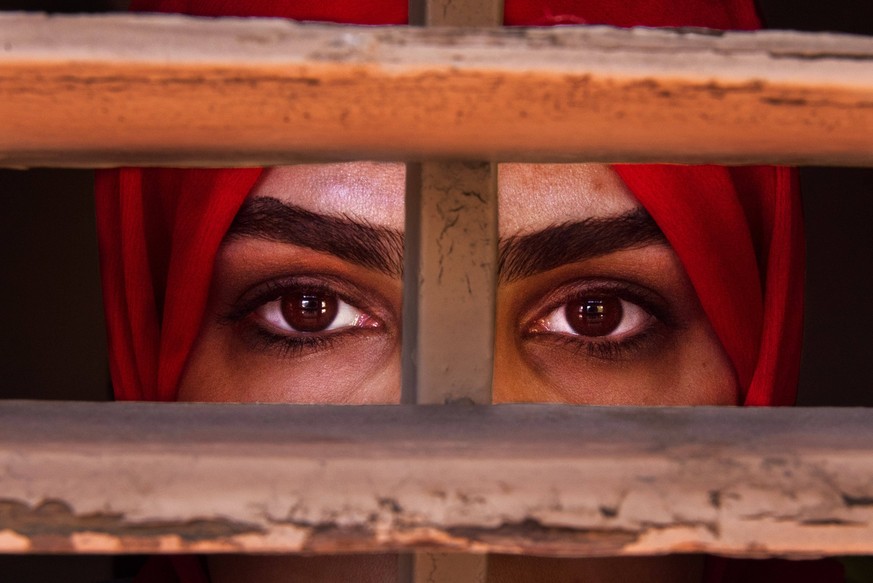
pixel 159 90
pixel 539 479
pixel 450 285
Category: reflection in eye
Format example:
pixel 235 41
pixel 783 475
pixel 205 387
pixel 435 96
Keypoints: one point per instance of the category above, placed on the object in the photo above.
pixel 310 311
pixel 598 316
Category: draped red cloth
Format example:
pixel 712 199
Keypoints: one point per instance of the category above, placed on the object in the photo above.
pixel 737 231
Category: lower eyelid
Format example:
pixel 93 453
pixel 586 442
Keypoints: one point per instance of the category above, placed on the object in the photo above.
pixel 264 338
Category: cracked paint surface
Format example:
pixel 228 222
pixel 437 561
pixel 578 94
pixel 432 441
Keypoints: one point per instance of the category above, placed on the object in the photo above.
pixel 223 478
pixel 450 298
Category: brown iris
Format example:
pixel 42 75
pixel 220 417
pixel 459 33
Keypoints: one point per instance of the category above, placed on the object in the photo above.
pixel 309 311
pixel 594 316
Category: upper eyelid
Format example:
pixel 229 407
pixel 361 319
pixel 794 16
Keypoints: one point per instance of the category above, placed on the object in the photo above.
pixel 359 297
pixel 647 299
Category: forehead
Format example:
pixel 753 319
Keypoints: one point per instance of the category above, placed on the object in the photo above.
pixel 532 196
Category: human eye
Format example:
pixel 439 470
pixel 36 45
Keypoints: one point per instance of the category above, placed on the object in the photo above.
pixel 604 319
pixel 309 311
pixel 302 314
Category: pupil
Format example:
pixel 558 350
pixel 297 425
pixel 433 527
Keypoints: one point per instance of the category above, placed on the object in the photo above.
pixel 594 309
pixel 309 312
pixel 594 316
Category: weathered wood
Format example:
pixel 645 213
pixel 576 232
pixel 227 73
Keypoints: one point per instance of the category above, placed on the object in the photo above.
pixel 450 13
pixel 450 284
pixel 106 90
pixel 449 307
pixel 547 480
pixel 450 256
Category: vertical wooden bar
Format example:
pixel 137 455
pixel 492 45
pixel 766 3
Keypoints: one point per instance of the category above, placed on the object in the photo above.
pixel 450 256
pixel 450 284
pixel 449 296
pixel 456 12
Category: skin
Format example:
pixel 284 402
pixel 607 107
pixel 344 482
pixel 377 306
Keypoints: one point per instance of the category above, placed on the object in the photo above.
pixel 664 352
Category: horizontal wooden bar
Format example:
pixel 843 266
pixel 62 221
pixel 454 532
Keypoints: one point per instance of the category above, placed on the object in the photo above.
pixel 539 479
pixel 173 90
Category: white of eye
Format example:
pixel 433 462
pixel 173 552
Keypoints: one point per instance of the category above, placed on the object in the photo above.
pixel 633 320
pixel 347 316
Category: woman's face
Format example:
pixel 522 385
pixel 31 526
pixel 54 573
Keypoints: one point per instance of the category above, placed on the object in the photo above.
pixel 592 308
pixel 595 308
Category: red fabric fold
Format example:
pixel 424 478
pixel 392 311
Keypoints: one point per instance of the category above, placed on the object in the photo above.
pixel 739 234
pixel 159 231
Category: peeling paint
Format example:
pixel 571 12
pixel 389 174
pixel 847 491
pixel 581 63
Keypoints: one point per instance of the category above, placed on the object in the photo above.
pixel 12 542
pixel 96 542
pixel 163 479
pixel 851 501
pixel 536 537
pixel 55 518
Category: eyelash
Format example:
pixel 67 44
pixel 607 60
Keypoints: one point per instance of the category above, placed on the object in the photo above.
pixel 604 349
pixel 243 314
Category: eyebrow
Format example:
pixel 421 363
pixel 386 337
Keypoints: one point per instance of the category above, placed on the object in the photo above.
pixel 352 240
pixel 526 255
pixel 381 248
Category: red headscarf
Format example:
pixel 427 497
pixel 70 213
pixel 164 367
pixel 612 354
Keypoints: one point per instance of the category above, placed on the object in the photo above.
pixel 737 231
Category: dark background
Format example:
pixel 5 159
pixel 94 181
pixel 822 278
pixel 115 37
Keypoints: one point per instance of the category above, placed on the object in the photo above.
pixel 53 342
